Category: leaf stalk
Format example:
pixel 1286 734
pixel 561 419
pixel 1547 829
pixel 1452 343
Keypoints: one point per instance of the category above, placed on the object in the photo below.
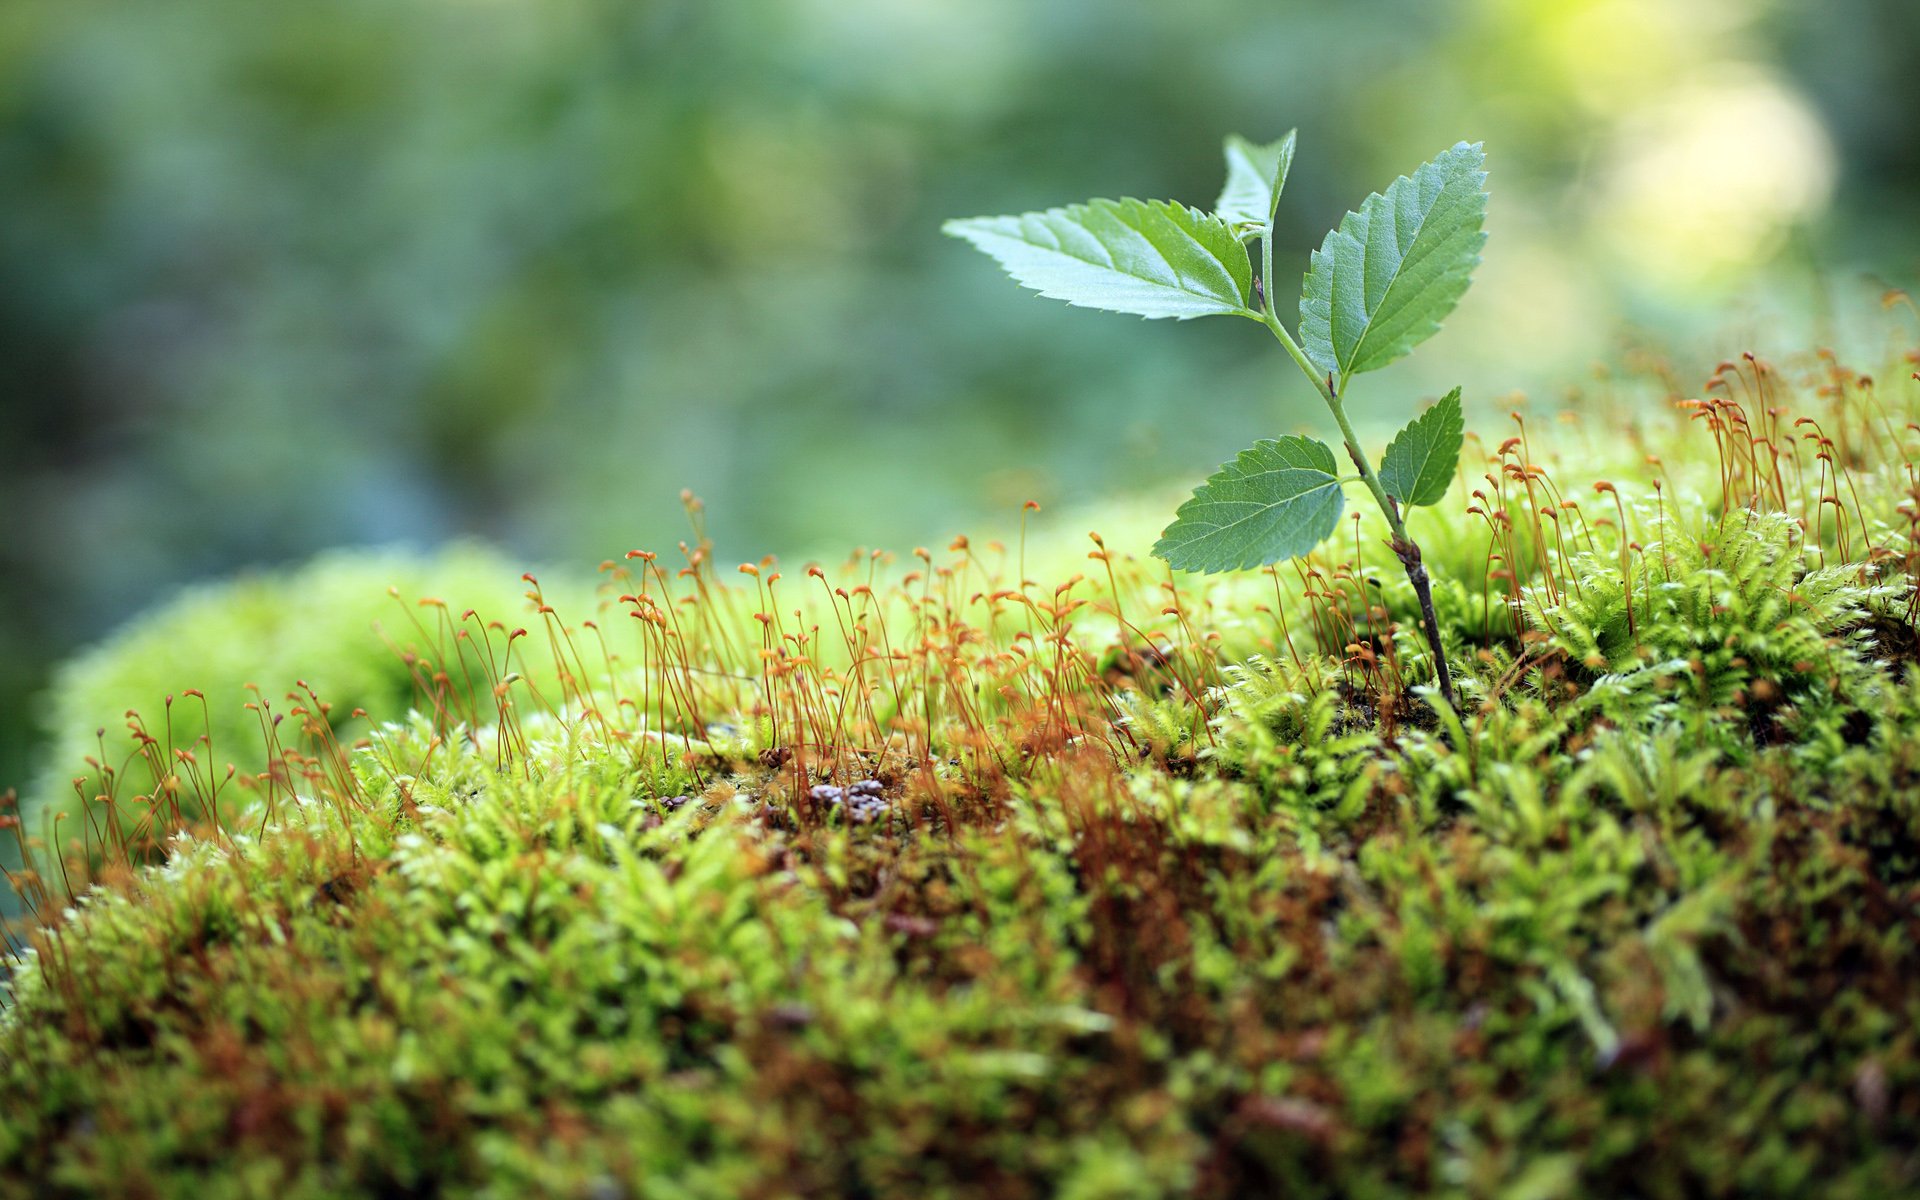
pixel 1404 547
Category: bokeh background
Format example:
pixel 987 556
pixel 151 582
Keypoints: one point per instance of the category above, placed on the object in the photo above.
pixel 279 278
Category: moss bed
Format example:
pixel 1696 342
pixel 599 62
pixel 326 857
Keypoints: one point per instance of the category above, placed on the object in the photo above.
pixel 918 878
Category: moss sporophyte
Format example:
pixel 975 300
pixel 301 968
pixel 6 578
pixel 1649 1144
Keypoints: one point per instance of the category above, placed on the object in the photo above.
pixel 1378 286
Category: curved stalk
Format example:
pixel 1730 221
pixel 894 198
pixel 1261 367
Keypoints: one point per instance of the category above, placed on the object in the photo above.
pixel 1404 547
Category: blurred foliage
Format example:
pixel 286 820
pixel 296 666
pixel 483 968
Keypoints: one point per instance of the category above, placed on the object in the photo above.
pixel 396 272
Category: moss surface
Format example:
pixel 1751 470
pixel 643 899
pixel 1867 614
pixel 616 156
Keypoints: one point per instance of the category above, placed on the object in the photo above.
pixel 916 880
pixel 342 624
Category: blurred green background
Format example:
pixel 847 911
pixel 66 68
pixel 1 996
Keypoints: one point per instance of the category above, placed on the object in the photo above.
pixel 285 277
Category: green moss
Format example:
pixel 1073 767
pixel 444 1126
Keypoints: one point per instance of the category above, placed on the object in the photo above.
pixel 333 623
pixel 553 984
pixel 1150 894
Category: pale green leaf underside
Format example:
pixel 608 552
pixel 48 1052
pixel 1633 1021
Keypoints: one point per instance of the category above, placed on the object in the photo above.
pixel 1256 175
pixel 1418 467
pixel 1277 499
pixel 1149 258
pixel 1382 282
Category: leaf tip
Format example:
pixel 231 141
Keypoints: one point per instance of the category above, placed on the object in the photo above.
pixel 964 227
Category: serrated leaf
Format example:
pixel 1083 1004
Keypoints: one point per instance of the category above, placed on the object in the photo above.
pixel 1382 282
pixel 1418 466
pixel 1256 175
pixel 1150 258
pixel 1277 499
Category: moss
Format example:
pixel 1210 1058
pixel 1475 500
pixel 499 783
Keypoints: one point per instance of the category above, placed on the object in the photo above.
pixel 914 880
pixel 182 672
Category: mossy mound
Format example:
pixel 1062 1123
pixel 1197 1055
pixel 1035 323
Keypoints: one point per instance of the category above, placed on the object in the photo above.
pixel 934 882
pixel 342 624
pixel 1660 974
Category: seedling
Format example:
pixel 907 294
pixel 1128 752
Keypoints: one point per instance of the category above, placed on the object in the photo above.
pixel 1378 286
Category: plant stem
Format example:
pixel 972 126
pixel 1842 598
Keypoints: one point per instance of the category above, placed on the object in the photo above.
pixel 1404 547
pixel 1408 551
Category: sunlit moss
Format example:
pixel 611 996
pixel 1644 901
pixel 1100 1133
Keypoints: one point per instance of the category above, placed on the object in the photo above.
pixel 1148 890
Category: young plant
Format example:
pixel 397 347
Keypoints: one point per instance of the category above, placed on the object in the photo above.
pixel 1378 286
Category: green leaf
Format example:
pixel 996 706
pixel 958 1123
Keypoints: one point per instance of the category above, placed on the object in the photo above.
pixel 1256 174
pixel 1381 283
pixel 1418 467
pixel 1150 258
pixel 1278 499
